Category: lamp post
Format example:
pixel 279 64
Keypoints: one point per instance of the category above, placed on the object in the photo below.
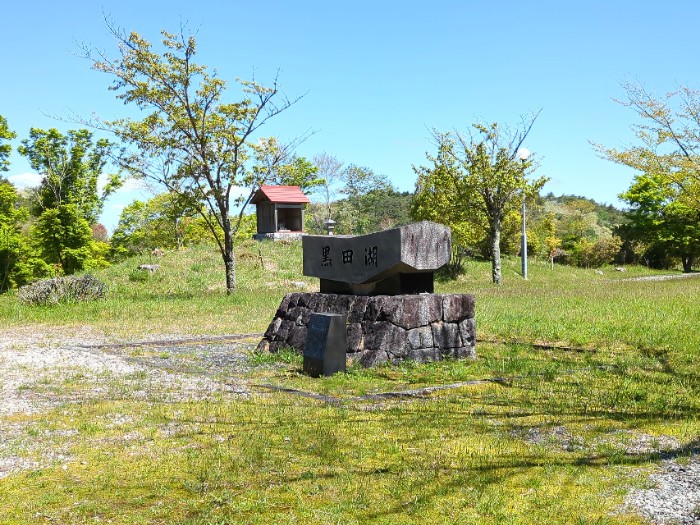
pixel 523 154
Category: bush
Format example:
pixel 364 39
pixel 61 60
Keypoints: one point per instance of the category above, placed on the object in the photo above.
pixel 62 290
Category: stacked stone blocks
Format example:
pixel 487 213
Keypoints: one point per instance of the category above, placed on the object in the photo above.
pixel 421 327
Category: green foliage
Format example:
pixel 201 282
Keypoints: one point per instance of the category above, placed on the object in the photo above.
pixel 375 210
pixel 62 290
pixel 669 137
pixel 661 219
pixel 551 241
pixel 247 227
pixel 665 195
pixel 474 183
pixel 164 221
pixel 299 172
pixel 64 238
pixel 371 202
pixel 5 149
pixel 190 140
pixel 70 166
pixel 275 164
pixel 361 180
pixel 17 266
pixel 574 230
pixel 594 254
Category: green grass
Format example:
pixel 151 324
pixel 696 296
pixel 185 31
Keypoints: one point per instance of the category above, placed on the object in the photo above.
pixel 545 444
pixel 186 296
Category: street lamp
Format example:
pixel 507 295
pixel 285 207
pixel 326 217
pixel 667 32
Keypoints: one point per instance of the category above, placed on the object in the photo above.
pixel 523 154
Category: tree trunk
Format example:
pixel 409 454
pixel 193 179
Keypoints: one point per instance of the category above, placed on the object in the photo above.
pixel 229 259
pixel 688 262
pixel 495 235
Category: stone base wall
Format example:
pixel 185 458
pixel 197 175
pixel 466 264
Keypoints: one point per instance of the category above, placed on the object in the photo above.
pixel 423 327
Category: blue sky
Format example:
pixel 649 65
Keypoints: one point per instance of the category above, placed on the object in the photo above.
pixel 379 75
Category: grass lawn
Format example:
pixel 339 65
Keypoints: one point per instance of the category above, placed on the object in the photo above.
pixel 555 438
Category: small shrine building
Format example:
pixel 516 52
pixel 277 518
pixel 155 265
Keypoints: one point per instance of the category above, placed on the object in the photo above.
pixel 280 212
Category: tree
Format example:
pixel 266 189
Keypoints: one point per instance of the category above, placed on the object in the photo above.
pixel 330 169
pixel 669 134
pixel 164 221
pixel 665 195
pixel 64 238
pixel 190 141
pixel 360 180
pixel 5 149
pixel 375 210
pixel 12 245
pixel 70 165
pixel 476 179
pixel 551 240
pixel 301 172
pixel 663 221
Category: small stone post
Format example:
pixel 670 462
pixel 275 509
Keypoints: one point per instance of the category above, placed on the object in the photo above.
pixel 326 344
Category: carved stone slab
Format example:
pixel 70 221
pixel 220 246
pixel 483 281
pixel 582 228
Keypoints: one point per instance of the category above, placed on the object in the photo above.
pixel 402 259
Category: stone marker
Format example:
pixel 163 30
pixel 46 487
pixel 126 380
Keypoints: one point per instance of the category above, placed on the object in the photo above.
pixel 383 284
pixel 391 262
pixel 326 344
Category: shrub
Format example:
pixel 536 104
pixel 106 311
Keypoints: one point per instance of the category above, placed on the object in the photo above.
pixel 62 290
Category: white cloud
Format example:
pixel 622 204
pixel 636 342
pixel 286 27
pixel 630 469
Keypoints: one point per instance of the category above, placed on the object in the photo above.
pixel 133 185
pixel 128 185
pixel 25 180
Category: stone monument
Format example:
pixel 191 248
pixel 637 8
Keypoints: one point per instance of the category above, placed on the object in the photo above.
pixel 383 283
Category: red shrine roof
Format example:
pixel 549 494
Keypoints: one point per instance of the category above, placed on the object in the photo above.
pixel 280 194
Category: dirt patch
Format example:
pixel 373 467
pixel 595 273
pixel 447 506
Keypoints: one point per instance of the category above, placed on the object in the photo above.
pixel 42 368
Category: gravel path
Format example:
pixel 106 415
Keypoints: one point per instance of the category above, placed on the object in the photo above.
pixel 660 277
pixel 674 497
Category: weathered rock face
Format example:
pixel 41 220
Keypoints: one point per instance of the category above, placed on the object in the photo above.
pixel 424 327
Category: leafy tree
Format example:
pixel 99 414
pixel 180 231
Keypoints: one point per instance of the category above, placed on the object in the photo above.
pixel 552 242
pixel 5 149
pixel 371 202
pixel 593 254
pixel 165 221
pixel 13 245
pixel 436 189
pixel 574 218
pixel 477 178
pixel 63 237
pixel 661 219
pixel 330 169
pixel 70 166
pixel 360 180
pixel 669 136
pixel 190 141
pixel 665 195
pixel 375 210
